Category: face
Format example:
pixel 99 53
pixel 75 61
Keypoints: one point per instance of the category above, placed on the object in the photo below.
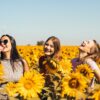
pixel 6 44
pixel 49 48
pixel 86 46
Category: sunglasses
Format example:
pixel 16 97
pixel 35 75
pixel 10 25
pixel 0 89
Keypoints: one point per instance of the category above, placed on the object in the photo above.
pixel 4 42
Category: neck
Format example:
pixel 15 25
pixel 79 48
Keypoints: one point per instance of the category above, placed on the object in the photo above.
pixel 82 55
pixel 7 55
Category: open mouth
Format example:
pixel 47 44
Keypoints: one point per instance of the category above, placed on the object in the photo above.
pixel 46 50
pixel 82 45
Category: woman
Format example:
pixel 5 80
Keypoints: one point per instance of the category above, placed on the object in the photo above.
pixel 51 55
pixel 48 65
pixel 13 65
pixel 89 52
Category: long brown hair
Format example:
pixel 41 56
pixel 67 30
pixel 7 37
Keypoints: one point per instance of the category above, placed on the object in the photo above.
pixel 57 46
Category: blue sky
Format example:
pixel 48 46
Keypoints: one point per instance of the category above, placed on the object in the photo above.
pixel 29 21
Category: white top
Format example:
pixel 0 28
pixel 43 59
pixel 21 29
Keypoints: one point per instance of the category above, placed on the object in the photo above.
pixel 92 64
pixel 94 67
pixel 11 75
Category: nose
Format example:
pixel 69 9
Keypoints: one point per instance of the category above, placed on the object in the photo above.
pixel 48 47
pixel 84 42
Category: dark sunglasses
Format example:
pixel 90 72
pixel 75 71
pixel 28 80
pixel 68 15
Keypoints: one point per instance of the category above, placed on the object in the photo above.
pixel 4 42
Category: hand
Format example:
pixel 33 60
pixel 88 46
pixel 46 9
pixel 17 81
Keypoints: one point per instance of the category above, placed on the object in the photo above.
pixel 1 48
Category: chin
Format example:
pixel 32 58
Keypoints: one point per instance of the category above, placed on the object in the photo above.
pixel 81 50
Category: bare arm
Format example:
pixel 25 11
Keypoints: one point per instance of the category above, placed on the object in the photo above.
pixel 94 67
pixel 26 68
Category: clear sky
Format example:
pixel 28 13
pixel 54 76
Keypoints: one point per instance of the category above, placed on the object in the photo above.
pixel 29 21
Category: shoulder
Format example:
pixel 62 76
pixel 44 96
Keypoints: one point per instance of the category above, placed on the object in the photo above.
pixel 20 60
pixel 25 65
pixel 42 58
pixel 24 60
pixel 74 60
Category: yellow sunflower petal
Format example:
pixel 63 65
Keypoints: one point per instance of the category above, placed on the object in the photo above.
pixel 73 84
pixel 31 84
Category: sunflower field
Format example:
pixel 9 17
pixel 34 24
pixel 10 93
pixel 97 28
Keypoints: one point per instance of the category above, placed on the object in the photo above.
pixel 72 86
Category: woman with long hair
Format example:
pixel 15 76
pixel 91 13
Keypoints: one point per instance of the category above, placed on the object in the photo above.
pixel 51 52
pixel 89 53
pixel 12 63
pixel 48 65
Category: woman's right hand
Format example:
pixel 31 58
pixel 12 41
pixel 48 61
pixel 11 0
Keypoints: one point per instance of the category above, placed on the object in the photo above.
pixel 1 48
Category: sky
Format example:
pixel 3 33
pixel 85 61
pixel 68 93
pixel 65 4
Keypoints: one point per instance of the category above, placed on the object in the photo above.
pixel 29 21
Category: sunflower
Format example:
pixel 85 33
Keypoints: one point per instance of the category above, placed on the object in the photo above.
pixel 1 73
pixel 11 89
pixel 96 95
pixel 1 69
pixel 51 65
pixel 95 92
pixel 85 70
pixel 66 65
pixel 31 84
pixel 73 85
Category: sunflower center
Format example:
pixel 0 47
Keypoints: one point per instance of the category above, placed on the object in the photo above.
pixel 28 84
pixel 73 83
pixel 84 72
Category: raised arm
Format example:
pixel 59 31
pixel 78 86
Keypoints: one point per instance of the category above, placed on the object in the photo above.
pixel 94 67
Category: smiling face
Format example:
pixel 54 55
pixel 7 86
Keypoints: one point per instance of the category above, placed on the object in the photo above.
pixel 6 44
pixel 86 46
pixel 49 48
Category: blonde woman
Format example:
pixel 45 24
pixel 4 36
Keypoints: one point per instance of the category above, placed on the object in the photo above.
pixel 89 51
